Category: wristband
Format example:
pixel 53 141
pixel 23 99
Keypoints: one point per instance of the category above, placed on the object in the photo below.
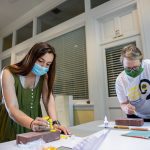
pixel 56 122
pixel 31 124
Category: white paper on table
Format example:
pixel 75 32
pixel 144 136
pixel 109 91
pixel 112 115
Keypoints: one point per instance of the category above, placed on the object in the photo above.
pixel 93 141
pixel 34 145
pixel 77 143
pixel 70 142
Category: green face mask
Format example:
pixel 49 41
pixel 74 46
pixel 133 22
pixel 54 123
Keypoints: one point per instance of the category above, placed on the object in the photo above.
pixel 134 72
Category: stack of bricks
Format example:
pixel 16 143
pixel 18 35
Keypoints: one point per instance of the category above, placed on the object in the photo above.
pixel 129 122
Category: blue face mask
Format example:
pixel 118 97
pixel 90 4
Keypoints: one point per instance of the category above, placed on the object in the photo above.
pixel 39 70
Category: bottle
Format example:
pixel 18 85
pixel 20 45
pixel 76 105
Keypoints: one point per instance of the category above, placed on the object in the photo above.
pixel 105 122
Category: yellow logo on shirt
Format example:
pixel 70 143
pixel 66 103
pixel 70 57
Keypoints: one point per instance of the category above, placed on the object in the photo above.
pixel 134 93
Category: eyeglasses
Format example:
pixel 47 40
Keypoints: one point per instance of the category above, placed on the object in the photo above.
pixel 133 68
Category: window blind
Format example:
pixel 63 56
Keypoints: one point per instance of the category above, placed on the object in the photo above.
pixel 71 64
pixel 113 66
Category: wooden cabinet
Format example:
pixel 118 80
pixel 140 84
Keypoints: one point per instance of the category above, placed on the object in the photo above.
pixel 121 24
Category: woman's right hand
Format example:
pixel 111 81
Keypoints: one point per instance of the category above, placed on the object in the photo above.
pixel 39 124
pixel 128 108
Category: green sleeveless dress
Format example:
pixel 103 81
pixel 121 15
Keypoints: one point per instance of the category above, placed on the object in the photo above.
pixel 29 103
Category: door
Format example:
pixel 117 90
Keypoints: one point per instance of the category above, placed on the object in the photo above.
pixel 111 55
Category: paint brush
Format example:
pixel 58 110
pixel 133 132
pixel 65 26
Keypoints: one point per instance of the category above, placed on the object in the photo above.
pixel 131 128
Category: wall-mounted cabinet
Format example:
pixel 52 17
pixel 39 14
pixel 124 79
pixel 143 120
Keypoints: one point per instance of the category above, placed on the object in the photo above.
pixel 120 25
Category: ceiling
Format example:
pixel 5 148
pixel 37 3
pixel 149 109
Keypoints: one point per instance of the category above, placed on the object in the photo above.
pixel 10 10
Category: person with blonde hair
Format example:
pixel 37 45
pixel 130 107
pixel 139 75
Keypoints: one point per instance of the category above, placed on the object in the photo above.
pixel 23 85
pixel 133 84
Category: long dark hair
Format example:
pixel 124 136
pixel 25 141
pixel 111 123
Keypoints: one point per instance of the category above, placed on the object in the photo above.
pixel 26 64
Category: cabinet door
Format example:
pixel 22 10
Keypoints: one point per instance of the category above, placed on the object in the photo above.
pixel 121 24
pixel 128 24
pixel 108 28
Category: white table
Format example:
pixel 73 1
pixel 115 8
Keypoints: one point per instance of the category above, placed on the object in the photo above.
pixel 114 140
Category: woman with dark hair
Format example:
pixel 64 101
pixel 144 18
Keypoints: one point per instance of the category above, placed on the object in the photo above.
pixel 23 84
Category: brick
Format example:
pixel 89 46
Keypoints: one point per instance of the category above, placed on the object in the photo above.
pixel 31 136
pixel 129 122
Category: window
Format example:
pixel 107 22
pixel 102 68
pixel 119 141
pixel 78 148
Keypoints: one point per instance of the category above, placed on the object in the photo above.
pixel 7 42
pixel 113 66
pixel 95 3
pixel 71 64
pixel 5 62
pixel 24 33
pixel 59 14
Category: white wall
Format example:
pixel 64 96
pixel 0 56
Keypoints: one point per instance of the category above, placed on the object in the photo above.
pixel 144 16
pixel 94 55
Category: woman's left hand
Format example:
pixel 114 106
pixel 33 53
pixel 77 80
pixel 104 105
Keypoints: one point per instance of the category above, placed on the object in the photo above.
pixel 62 129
